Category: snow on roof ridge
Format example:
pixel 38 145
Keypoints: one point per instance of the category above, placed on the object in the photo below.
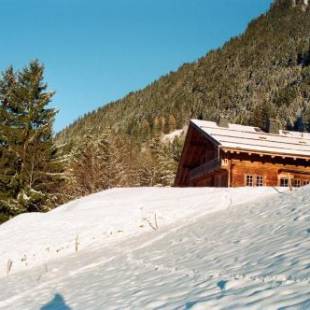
pixel 238 127
pixel 295 134
pixel 253 138
pixel 231 126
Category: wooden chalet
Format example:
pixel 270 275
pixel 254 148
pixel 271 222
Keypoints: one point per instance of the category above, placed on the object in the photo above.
pixel 234 155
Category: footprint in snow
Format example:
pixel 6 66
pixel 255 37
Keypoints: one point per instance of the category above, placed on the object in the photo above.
pixel 190 305
pixel 221 284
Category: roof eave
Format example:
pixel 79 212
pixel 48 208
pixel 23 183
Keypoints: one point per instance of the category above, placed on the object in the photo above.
pixel 266 153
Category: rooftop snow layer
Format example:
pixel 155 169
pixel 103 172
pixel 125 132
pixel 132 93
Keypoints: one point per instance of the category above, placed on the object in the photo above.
pixel 249 138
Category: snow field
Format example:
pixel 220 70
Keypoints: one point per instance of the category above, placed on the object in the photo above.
pixel 104 218
pixel 236 249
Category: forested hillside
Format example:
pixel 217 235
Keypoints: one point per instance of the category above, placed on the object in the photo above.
pixel 261 74
pixel 265 69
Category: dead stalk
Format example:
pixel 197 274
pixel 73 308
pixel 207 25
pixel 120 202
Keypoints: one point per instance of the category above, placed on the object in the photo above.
pixel 155 226
pixel 9 266
pixel 77 243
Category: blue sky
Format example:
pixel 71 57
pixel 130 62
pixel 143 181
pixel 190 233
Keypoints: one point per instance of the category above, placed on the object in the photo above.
pixel 95 51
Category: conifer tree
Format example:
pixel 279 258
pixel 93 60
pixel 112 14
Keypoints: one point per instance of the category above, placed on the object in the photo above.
pixel 99 164
pixel 30 169
pixel 261 116
pixel 87 168
pixel 156 126
pixel 145 127
pixel 8 161
pixel 172 124
pixel 160 170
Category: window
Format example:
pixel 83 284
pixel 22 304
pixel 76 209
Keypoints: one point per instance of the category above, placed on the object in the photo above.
pixel 259 180
pixel 284 182
pixel 249 180
pixel 306 182
pixel 254 180
pixel 296 182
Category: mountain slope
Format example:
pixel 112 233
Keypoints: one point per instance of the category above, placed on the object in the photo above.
pixel 263 73
pixel 253 255
pixel 260 77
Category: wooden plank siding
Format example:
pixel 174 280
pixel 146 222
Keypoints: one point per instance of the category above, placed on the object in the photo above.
pixel 196 152
pixel 206 168
pixel 271 172
pixel 270 168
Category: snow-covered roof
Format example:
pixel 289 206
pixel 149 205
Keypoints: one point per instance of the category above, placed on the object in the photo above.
pixel 254 139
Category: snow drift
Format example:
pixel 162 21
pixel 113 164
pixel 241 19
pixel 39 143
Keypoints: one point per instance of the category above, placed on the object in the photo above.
pixel 104 218
pixel 161 248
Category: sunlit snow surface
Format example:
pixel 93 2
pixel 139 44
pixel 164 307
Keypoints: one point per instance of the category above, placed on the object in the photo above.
pixel 210 249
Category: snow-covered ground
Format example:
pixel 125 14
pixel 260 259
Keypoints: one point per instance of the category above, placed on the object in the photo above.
pixel 155 248
pixel 174 134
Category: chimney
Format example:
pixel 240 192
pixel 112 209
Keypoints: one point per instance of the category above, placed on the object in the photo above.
pixel 223 122
pixel 273 126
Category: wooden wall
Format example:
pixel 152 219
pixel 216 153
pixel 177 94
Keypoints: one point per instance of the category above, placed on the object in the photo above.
pixel 215 179
pixel 196 151
pixel 270 169
pixel 239 170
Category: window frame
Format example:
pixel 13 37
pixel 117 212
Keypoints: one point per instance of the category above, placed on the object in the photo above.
pixel 286 179
pixel 259 180
pixel 254 180
pixel 297 182
pixel 247 178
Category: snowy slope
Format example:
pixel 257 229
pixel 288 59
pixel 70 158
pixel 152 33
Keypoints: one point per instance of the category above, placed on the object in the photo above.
pixel 214 249
pixel 105 218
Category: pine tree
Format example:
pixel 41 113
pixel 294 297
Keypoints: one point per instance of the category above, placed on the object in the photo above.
pixel 172 124
pixel 166 166
pixel 98 165
pixel 261 116
pixel 162 166
pixel 300 122
pixel 32 175
pixel 156 126
pixel 145 128
pixel 87 168
pixel 8 160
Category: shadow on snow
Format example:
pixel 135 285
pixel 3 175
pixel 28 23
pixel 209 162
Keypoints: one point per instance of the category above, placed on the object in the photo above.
pixel 57 303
